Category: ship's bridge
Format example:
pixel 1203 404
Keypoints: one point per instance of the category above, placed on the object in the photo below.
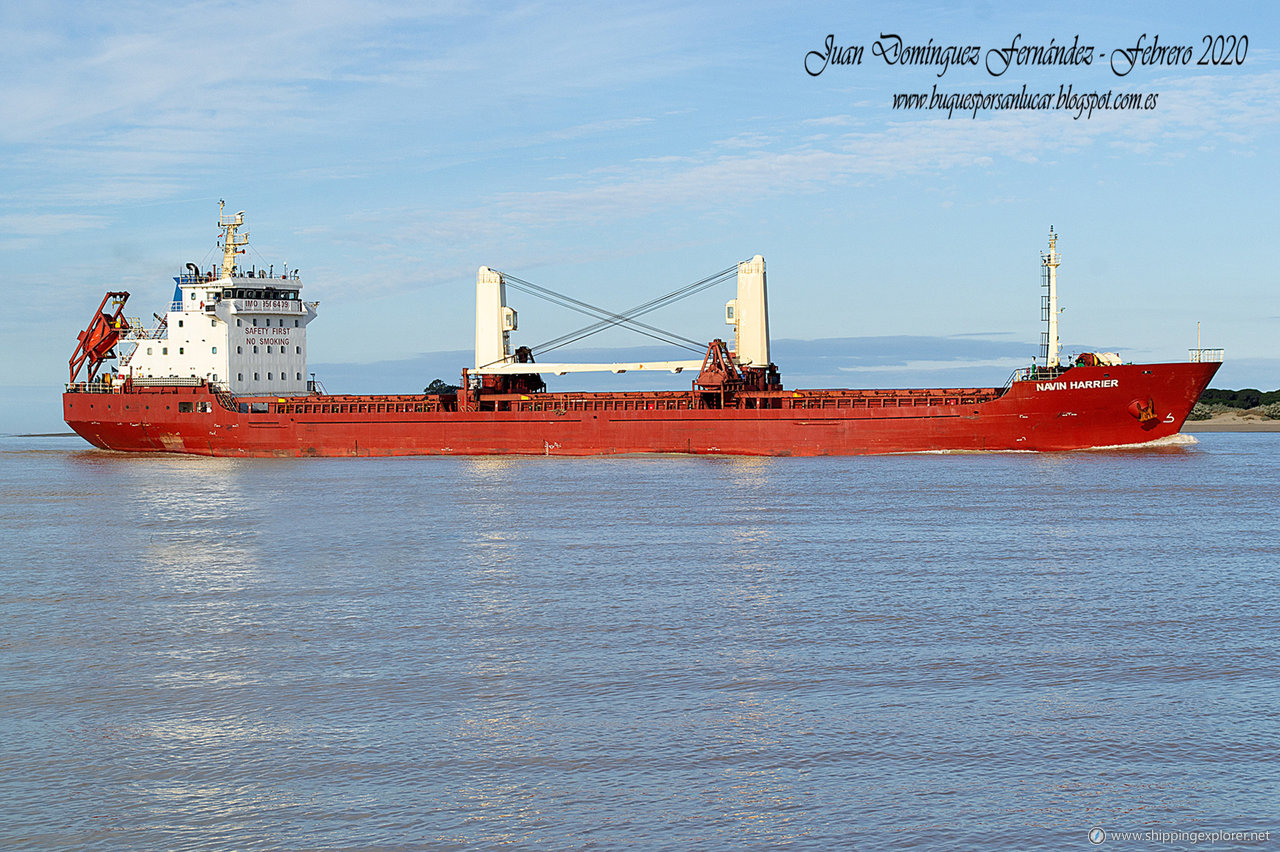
pixel 201 291
pixel 243 330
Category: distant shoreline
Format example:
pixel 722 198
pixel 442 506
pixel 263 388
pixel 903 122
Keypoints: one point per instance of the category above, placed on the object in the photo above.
pixel 1232 421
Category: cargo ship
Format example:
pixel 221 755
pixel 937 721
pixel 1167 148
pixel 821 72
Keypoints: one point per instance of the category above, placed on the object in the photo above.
pixel 224 373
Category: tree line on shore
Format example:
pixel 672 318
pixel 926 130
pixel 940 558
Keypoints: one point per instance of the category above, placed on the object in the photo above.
pixel 1218 401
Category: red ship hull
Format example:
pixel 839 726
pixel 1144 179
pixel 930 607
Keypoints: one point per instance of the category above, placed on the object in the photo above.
pixel 1080 408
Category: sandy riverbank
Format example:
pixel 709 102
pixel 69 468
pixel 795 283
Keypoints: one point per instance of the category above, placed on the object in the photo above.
pixel 1233 421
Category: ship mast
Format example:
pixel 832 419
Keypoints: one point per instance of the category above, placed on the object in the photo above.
pixel 231 241
pixel 1050 346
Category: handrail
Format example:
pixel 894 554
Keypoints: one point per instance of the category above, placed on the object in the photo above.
pixel 94 387
pixel 1034 373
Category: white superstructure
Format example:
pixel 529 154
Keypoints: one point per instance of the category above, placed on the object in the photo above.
pixel 244 331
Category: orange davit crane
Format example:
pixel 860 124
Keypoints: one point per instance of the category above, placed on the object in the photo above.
pixel 97 342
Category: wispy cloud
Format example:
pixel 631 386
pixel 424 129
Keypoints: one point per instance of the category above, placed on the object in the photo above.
pixel 151 97
pixel 49 224
pixel 1206 111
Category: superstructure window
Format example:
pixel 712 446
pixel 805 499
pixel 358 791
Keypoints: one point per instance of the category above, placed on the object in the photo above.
pixel 179 323
pixel 297 350
pixel 255 350
pixel 215 350
pixel 255 377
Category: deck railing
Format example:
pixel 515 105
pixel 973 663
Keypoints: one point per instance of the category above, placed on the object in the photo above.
pixel 95 387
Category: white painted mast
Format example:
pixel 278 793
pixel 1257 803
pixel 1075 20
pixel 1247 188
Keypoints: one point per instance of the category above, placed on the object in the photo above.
pixel 749 315
pixel 1051 261
pixel 494 321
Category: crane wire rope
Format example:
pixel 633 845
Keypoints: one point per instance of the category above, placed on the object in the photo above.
pixel 627 319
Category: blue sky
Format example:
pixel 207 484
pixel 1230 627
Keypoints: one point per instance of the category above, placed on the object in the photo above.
pixel 388 150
